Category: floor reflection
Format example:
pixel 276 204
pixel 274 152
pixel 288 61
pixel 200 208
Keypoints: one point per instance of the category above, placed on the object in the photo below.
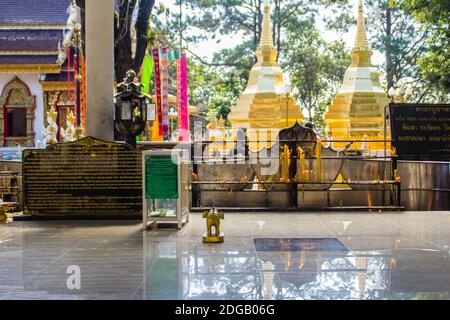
pixel 301 274
pixel 119 261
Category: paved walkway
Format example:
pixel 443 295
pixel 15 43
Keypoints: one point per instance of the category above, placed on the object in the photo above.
pixel 296 256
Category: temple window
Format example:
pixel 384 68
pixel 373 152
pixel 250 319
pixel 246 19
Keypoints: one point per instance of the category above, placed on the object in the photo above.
pixel 15 122
pixel 17 107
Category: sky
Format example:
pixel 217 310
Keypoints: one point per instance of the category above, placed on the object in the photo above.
pixel 231 41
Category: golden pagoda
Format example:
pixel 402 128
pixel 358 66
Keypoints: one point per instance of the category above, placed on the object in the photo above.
pixel 264 103
pixel 357 111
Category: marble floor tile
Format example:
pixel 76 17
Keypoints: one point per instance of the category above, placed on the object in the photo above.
pixel 402 255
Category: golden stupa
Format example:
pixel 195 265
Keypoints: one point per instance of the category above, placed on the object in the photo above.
pixel 264 103
pixel 357 111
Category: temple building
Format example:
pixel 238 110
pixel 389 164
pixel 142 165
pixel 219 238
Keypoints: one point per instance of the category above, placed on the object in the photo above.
pixel 31 79
pixel 265 103
pixel 357 111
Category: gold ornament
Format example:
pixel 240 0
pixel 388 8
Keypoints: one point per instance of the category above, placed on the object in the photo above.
pixel 213 218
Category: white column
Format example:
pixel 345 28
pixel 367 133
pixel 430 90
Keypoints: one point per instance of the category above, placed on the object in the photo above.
pixel 100 69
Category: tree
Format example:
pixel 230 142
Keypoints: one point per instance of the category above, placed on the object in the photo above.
pixel 316 67
pixel 434 15
pixel 131 24
pixel 395 34
pixel 408 45
pixel 127 57
pixel 225 17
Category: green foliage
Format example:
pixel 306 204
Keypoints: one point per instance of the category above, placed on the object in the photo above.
pixel 435 16
pixel 413 35
pixel 316 67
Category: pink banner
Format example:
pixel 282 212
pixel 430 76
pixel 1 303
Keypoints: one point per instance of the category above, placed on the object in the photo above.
pixel 183 114
pixel 155 53
pixel 178 94
pixel 165 93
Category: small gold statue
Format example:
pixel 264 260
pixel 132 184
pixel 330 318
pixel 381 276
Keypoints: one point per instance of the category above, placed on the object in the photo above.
pixel 136 114
pixel 285 163
pixel 213 218
pixel 319 159
pixel 396 176
pixel 79 133
pixel 393 151
pixel 300 176
pixel 5 207
pixel 243 179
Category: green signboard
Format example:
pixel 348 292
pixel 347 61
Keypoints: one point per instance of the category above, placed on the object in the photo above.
pixel 161 177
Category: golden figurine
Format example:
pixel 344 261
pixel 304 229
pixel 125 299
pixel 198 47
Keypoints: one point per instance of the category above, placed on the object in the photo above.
pixel 396 176
pixel 243 179
pixel 5 207
pixel 79 133
pixel 300 176
pixel 285 162
pixel 213 218
pixel 319 159
pixel 136 114
pixel 393 151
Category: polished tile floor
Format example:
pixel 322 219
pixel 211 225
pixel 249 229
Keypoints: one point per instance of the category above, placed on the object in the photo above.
pixel 361 256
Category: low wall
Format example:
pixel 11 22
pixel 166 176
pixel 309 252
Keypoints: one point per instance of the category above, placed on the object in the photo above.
pixel 425 185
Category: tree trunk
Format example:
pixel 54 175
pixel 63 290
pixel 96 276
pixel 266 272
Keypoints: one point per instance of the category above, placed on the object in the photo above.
pixel 255 28
pixel 142 26
pixel 277 34
pixel 124 60
pixel 388 48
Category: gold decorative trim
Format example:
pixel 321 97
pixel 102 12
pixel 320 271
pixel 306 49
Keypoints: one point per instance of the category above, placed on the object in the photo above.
pixel 30 68
pixel 53 85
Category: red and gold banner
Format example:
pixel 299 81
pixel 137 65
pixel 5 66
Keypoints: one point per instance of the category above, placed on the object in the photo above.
pixel 157 72
pixel 165 93
pixel 83 92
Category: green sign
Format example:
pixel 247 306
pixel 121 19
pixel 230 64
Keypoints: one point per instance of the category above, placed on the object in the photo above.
pixel 161 178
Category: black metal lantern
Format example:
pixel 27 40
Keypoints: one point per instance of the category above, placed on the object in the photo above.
pixel 130 108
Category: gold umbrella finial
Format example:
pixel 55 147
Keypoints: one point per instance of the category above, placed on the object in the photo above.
pixel 361 52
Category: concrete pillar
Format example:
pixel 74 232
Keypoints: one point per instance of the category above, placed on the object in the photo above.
pixel 100 69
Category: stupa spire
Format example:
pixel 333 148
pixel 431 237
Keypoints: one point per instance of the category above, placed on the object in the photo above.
pixel 361 35
pixel 266 32
pixel 266 51
pixel 361 52
pixel 264 104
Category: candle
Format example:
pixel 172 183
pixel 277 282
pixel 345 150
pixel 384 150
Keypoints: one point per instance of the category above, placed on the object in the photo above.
pixel 301 170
